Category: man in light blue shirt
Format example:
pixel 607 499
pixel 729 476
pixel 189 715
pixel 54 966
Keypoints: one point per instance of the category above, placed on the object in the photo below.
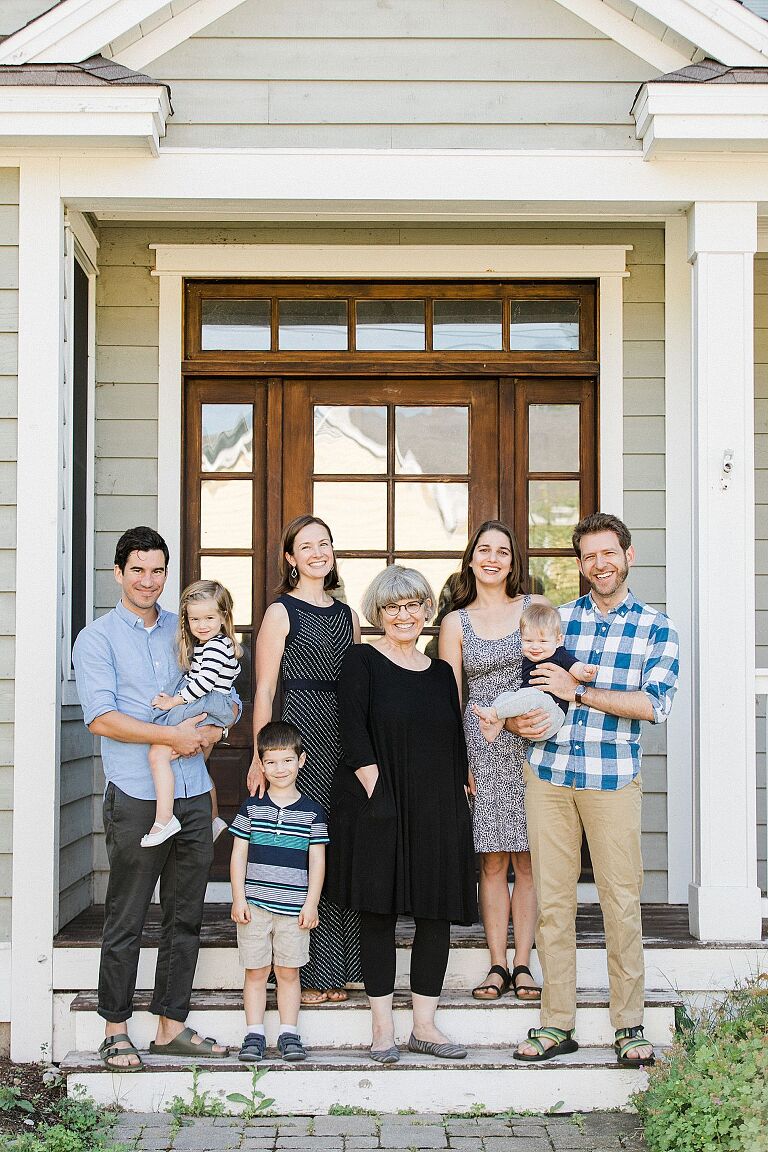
pixel 122 660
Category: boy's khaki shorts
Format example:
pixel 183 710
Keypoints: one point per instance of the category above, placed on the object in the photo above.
pixel 272 939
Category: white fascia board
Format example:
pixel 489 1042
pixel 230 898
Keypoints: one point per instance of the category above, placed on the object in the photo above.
pixel 124 114
pixel 702 117
pixel 74 30
pixel 173 32
pixel 629 35
pixel 724 29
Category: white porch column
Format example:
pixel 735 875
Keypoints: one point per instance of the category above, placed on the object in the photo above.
pixel 724 897
pixel 38 609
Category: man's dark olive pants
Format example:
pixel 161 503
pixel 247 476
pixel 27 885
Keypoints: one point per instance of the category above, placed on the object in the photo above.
pixel 182 865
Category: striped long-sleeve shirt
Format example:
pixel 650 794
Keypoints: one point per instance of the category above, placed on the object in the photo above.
pixel 635 649
pixel 214 668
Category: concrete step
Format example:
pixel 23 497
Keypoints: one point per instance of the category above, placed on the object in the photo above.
pixel 585 1081
pixel 347 1025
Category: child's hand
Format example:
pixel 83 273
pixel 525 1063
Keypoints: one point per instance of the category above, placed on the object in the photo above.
pixel 163 700
pixel 308 917
pixel 584 672
pixel 241 912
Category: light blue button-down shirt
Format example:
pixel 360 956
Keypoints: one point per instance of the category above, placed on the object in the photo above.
pixel 120 666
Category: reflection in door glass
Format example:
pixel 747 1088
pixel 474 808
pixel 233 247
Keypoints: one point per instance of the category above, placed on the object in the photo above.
pixel 243 682
pixel 227 438
pixel 389 325
pixel 226 513
pixel 431 516
pixel 539 325
pixel 553 438
pixel 432 441
pixel 466 325
pixel 229 325
pixel 553 511
pixel 556 577
pixel 350 439
pixel 355 513
pixel 356 575
pixel 235 573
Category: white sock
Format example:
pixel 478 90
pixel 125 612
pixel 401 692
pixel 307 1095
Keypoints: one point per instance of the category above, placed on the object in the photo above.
pixel 290 1028
pixel 257 1028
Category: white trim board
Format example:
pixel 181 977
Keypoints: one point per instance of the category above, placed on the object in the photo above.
pixel 173 32
pixel 73 30
pixel 607 263
pixel 628 34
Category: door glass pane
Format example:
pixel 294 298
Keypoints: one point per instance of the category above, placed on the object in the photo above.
pixel 437 570
pixel 243 682
pixel 355 513
pixel 466 325
pixel 235 573
pixel 555 577
pixel 356 575
pixel 227 438
pixel 233 324
pixel 350 439
pixel 431 516
pixel 553 438
pixel 553 512
pixel 391 325
pixel 320 325
pixel 432 441
pixel 544 324
pixel 225 513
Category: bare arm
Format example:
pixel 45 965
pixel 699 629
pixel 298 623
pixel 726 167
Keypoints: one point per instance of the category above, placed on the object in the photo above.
pixel 238 863
pixel 629 705
pixel 450 646
pixel 185 739
pixel 355 626
pixel 308 917
pixel 270 645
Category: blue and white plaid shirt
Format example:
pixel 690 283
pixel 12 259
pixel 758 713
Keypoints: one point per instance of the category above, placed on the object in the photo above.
pixel 635 649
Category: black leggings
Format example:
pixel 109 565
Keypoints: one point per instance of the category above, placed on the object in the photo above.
pixel 429 955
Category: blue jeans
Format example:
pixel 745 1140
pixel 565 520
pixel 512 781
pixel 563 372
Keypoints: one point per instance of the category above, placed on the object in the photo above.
pixel 220 708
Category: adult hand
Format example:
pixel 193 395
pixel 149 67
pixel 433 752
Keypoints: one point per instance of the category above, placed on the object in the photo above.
pixel 187 738
pixel 555 680
pixel 471 785
pixel 368 775
pixel 257 781
pixel 531 725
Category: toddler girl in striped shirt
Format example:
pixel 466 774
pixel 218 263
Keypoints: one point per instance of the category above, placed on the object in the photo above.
pixel 208 658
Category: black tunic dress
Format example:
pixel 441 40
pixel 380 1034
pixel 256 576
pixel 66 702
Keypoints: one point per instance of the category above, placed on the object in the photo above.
pixel 409 848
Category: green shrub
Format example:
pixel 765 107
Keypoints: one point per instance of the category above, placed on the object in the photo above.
pixel 710 1092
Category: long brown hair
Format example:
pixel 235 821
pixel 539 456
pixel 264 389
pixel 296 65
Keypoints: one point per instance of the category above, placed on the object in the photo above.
pixel 465 590
pixel 290 532
pixel 204 590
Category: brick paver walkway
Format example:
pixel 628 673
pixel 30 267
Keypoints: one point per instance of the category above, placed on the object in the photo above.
pixel 592 1132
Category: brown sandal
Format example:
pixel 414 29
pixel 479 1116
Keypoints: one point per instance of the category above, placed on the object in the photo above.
pixel 506 982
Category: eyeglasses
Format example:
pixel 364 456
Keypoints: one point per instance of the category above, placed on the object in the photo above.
pixel 393 610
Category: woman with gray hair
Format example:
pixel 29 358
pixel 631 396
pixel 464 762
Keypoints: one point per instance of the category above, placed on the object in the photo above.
pixel 400 827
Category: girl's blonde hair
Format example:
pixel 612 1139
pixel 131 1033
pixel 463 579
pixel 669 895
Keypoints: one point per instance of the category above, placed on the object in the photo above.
pixel 204 590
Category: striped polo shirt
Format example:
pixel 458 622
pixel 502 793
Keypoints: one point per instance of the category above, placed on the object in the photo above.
pixel 279 840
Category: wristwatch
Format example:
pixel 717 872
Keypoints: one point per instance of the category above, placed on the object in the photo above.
pixel 578 693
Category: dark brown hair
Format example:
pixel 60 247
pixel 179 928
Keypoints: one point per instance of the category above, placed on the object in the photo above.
pixel 465 590
pixel 290 532
pixel 279 736
pixel 601 522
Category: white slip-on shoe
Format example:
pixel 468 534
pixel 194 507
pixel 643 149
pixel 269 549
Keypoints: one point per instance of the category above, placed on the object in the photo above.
pixel 218 827
pixel 152 839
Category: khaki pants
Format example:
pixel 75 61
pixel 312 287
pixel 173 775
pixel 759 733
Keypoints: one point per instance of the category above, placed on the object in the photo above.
pixel 611 822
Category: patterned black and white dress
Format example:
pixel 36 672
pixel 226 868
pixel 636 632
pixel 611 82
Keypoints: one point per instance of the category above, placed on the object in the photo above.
pixel 494 666
pixel 314 649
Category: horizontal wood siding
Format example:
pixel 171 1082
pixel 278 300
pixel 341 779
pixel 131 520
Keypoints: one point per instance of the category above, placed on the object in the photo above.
pixel 436 74
pixel 761 542
pixel 75 815
pixel 126 410
pixel 9 280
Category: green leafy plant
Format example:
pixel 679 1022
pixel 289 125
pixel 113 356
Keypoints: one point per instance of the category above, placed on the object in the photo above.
pixel 350 1110
pixel 201 1103
pixel 11 1097
pixel 257 1103
pixel 710 1093
pixel 80 1127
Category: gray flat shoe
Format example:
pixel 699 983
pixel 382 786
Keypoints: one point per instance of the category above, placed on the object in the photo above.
pixel 430 1048
pixel 385 1055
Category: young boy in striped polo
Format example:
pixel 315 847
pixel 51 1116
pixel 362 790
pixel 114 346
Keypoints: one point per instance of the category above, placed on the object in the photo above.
pixel 277 871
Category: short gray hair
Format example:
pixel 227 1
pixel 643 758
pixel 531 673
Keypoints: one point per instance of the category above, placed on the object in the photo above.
pixel 395 583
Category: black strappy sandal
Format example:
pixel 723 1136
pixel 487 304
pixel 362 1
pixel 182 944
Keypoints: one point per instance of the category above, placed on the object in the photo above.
pixel 533 990
pixel 506 984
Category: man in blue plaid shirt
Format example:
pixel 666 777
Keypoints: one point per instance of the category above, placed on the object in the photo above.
pixel 587 778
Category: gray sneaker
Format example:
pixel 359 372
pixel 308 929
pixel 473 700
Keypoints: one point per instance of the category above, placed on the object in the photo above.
pixel 253 1049
pixel 290 1047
